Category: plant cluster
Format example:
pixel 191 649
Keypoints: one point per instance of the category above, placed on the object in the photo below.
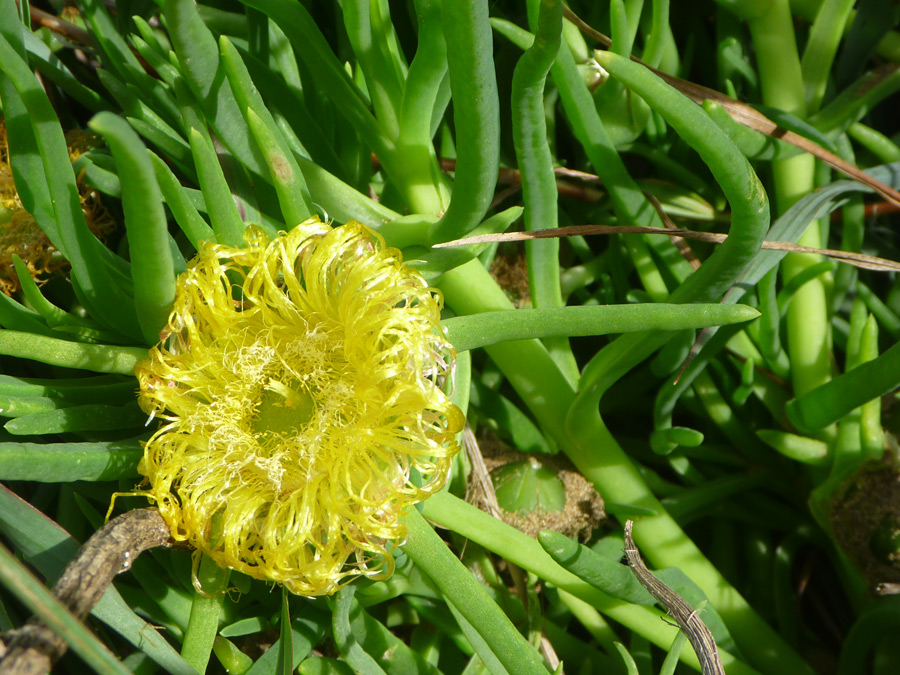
pixel 284 283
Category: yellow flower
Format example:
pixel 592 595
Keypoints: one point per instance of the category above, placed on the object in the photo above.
pixel 305 389
pixel 20 234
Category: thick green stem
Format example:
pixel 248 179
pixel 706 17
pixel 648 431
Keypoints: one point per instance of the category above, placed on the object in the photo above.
pixel 476 115
pixel 206 611
pixel 96 358
pixel 809 335
pixel 528 366
pixel 469 597
pixel 539 192
pixel 520 549
pixel 818 57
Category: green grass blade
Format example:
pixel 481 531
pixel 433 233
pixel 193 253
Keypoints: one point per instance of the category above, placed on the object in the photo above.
pixel 488 328
pixel 65 462
pixel 96 417
pixel 56 616
pixel 476 117
pixel 49 548
pixel 96 358
pixel 199 56
pixel 152 267
pixel 788 227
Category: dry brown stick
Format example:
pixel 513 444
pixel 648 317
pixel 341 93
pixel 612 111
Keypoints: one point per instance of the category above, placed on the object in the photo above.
pixel 866 262
pixel 68 30
pixel 685 616
pixel 753 119
pixel 506 175
pixel 513 178
pixel 480 490
pixel 680 242
pixel 34 648
pixel 887 588
pixel 481 493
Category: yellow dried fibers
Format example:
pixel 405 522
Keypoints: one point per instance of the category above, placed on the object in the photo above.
pixel 19 233
pixel 304 388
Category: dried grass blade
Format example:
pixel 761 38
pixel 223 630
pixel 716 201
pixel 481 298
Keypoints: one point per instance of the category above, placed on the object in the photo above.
pixel 860 260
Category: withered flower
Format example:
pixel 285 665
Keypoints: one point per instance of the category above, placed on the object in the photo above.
pixel 19 233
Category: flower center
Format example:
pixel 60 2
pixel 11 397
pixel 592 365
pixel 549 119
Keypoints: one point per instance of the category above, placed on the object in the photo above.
pixel 283 409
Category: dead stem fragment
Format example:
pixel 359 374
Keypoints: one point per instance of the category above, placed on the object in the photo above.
pixel 34 648
pixel 685 616
pixel 860 260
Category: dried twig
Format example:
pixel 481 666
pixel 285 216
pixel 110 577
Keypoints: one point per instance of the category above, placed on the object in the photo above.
pixel 680 243
pixel 70 31
pixel 566 188
pixel 867 262
pixel 34 648
pixel 480 490
pixel 481 493
pixel 685 616
pixel 887 588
